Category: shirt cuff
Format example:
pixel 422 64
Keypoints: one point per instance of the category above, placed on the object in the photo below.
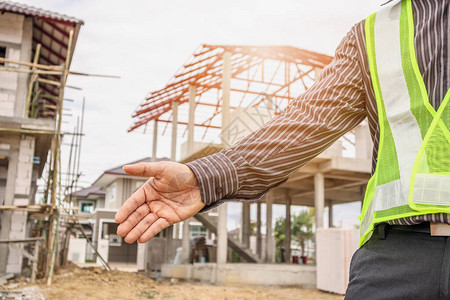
pixel 216 176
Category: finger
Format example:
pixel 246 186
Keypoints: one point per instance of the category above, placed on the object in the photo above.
pixel 133 219
pixel 145 169
pixel 153 230
pixel 144 194
pixel 140 228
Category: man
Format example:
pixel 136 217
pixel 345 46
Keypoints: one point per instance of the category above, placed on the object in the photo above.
pixel 393 69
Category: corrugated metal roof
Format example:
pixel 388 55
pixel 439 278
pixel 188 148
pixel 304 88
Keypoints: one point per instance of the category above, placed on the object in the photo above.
pixel 36 12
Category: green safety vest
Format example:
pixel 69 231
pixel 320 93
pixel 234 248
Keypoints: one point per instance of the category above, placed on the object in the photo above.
pixel 412 175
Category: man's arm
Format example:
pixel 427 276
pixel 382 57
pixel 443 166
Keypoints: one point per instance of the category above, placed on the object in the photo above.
pixel 331 107
pixel 262 160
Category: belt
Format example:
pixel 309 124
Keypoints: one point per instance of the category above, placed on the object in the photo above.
pixel 435 229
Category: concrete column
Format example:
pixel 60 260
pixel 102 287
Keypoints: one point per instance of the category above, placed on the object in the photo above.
pixel 270 241
pixel 21 196
pixel 191 120
pixel 177 230
pixel 287 240
pixel 319 198
pixel 258 230
pixel 155 140
pixel 13 160
pixel 173 149
pixel 222 234
pixel 330 213
pixel 226 85
pixel 169 244
pixel 317 72
pixel 363 142
pixel 185 243
pixel 22 78
pixel 245 225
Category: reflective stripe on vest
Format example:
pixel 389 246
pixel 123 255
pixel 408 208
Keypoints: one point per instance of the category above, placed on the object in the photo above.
pixel 413 165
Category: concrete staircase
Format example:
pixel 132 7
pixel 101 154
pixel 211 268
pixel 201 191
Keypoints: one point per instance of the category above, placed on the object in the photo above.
pixel 243 252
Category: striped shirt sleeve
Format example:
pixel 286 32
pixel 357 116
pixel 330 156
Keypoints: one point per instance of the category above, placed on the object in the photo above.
pixel 315 120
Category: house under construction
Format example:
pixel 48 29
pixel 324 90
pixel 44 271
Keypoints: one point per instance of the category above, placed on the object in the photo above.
pixel 223 93
pixel 36 47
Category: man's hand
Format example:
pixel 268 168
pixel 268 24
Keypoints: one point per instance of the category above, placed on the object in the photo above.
pixel 171 195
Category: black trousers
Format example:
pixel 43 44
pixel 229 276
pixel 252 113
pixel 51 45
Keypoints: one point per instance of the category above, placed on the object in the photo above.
pixel 401 262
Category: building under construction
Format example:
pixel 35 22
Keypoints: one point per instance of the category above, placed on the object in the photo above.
pixel 36 47
pixel 220 95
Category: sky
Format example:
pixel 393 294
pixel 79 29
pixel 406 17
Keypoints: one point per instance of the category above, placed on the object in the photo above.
pixel 145 42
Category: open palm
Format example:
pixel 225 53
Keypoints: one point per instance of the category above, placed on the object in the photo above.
pixel 170 195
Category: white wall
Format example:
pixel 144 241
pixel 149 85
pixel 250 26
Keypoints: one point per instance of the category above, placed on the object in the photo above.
pixel 77 250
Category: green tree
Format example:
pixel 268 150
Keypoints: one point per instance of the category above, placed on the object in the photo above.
pixel 302 227
pixel 280 234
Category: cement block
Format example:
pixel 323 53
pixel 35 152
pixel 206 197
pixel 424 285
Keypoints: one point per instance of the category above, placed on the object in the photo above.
pixel 11 28
pixel 8 80
pixel 23 189
pixel 14 264
pixel 13 54
pixel 21 201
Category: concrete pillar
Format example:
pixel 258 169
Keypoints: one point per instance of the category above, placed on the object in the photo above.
pixel 191 120
pixel 270 241
pixel 177 229
pixel 245 225
pixel 21 189
pixel 330 213
pixel 173 149
pixel 363 142
pixel 258 230
pixel 319 198
pixel 226 85
pixel 317 72
pixel 222 235
pixel 169 244
pixel 155 140
pixel 222 232
pixel 13 160
pixel 185 243
pixel 22 78
pixel 287 240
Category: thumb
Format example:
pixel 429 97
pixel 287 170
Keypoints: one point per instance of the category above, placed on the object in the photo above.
pixel 144 169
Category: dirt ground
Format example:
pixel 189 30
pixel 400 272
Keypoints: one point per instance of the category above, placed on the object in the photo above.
pixel 73 282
